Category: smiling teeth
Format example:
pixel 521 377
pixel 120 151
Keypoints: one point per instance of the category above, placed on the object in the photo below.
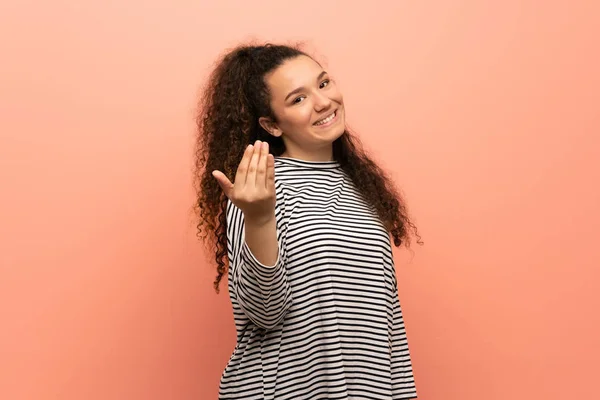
pixel 326 120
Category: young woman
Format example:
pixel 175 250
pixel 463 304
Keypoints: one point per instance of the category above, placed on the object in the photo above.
pixel 301 220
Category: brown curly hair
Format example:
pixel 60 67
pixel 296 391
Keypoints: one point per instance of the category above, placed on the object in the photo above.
pixel 233 100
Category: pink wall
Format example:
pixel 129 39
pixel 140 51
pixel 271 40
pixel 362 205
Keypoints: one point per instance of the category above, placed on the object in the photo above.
pixel 487 113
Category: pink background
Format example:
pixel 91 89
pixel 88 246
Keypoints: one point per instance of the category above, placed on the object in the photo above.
pixel 486 113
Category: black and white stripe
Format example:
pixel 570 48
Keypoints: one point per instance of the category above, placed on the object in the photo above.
pixel 325 322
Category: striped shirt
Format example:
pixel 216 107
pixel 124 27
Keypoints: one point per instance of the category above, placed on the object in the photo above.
pixel 325 322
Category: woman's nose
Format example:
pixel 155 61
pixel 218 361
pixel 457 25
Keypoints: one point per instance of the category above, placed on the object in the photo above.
pixel 321 102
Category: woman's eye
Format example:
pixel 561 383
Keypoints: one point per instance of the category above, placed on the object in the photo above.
pixel 298 100
pixel 324 83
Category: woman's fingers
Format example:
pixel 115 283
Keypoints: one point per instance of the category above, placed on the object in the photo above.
pixel 253 166
pixel 242 170
pixel 261 174
pixel 256 170
pixel 270 174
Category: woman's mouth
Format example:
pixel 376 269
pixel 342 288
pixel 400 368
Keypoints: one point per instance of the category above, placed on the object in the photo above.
pixel 331 118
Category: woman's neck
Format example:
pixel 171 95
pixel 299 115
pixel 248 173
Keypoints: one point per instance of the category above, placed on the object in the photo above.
pixel 325 154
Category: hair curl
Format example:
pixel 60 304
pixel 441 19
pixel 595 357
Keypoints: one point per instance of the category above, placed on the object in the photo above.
pixel 231 103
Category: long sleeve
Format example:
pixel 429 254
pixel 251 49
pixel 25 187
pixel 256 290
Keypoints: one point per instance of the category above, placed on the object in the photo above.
pixel 262 292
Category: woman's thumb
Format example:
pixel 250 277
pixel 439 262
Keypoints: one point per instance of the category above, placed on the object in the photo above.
pixel 223 181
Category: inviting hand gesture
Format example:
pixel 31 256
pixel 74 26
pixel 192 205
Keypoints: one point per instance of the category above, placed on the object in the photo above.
pixel 253 189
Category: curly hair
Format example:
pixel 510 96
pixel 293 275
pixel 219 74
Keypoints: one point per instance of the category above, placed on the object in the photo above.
pixel 233 100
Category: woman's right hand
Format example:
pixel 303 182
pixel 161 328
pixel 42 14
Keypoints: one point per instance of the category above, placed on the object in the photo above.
pixel 253 189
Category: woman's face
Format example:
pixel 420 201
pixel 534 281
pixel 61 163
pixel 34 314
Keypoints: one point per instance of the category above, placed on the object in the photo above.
pixel 308 107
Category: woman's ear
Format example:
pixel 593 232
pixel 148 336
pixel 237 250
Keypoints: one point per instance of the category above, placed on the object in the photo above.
pixel 270 126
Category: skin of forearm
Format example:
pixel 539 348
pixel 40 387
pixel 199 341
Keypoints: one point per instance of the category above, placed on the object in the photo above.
pixel 261 238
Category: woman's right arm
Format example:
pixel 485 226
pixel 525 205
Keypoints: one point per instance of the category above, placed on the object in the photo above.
pixel 256 253
pixel 258 270
pixel 261 237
